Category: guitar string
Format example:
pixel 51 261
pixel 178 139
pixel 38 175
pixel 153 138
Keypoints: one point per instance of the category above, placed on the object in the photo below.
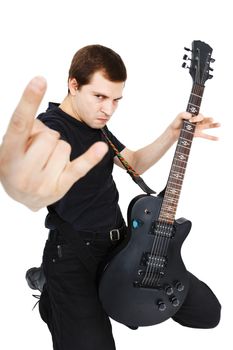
pixel 163 239
pixel 149 269
pixel 160 250
pixel 159 245
pixel 165 229
pixel 186 152
pixel 157 242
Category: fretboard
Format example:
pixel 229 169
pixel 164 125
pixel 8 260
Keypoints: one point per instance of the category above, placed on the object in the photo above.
pixel 180 160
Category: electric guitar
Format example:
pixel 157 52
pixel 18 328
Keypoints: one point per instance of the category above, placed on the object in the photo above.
pixel 146 282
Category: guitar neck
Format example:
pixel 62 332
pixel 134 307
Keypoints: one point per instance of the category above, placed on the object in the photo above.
pixel 180 159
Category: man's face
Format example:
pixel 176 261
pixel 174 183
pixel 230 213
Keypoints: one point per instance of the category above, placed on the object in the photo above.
pixel 96 102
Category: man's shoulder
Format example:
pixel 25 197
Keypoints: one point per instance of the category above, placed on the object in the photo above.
pixel 53 118
pixel 51 113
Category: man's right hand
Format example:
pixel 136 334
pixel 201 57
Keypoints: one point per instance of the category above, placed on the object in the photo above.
pixel 35 166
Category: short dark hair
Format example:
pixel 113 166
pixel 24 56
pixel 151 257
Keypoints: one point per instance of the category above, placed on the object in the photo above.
pixel 93 58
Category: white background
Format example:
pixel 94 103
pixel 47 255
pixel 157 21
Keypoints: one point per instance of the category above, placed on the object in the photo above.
pixel 40 38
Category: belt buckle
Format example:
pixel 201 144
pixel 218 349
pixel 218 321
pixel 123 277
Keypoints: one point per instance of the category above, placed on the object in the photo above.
pixel 112 234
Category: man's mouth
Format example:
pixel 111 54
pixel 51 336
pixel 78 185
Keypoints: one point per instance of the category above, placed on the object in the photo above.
pixel 103 119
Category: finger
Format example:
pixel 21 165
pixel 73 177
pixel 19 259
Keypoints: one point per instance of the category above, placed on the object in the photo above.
pixel 208 125
pixel 185 115
pixel 80 166
pixel 208 137
pixel 58 160
pixel 199 118
pixel 213 125
pixel 37 128
pixel 21 123
pixel 40 147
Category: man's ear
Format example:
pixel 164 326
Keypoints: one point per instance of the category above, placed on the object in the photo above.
pixel 73 86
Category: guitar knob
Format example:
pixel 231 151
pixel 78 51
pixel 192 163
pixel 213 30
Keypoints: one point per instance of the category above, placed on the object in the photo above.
pixel 161 305
pixel 175 302
pixel 179 286
pixel 168 290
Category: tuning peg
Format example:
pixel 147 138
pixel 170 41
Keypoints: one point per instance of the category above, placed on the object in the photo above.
pixel 186 58
pixel 210 76
pixel 212 60
pixel 187 49
pixel 184 65
pixel 211 69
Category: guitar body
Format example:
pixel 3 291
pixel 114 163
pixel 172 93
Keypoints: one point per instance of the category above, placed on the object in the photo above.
pixel 123 295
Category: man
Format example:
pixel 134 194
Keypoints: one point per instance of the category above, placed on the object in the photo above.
pixel 69 302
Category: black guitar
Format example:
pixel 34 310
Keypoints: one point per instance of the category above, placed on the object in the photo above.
pixel 147 282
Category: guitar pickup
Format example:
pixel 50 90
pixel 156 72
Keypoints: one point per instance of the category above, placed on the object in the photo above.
pixel 154 261
pixel 162 229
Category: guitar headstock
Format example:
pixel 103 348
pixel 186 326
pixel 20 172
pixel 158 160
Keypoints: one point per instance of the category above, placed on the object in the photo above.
pixel 199 62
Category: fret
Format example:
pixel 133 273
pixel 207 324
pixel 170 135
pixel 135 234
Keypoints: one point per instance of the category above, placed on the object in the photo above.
pixel 192 93
pixel 174 197
pixel 179 174
pixel 184 142
pixel 171 203
pixel 184 147
pixel 184 152
pixel 181 157
pixel 170 182
pixel 191 132
pixel 193 110
pixel 185 139
pixel 189 126
pixel 180 161
pixel 168 208
pixel 186 136
pixel 174 183
pixel 165 218
pixel 172 191
pixel 171 200
pixel 176 177
pixel 178 166
pixel 194 104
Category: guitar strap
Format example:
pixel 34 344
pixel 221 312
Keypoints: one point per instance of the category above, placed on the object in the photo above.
pixel 134 175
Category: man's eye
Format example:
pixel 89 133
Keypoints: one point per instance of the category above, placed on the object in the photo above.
pixel 100 97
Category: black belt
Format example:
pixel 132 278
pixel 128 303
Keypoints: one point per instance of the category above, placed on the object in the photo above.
pixel 113 235
pixel 53 222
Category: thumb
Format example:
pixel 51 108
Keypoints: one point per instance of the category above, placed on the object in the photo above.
pixel 79 167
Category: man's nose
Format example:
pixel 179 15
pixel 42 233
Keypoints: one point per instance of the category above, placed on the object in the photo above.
pixel 108 108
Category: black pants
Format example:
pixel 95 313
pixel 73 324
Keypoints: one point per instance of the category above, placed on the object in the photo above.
pixel 70 306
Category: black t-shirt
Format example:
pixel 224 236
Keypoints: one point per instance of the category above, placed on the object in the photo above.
pixel 91 204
